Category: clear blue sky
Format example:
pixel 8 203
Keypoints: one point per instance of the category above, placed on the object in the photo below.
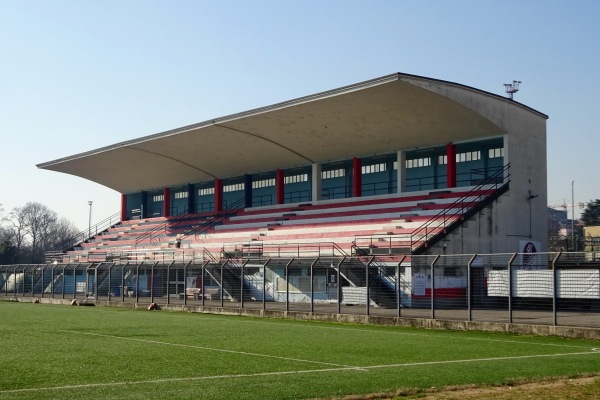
pixel 77 75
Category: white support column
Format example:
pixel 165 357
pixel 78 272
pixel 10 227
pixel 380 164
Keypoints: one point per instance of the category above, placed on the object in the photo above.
pixel 505 140
pixel 401 163
pixel 316 182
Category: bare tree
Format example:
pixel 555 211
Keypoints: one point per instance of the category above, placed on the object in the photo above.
pixel 60 231
pixel 39 221
pixel 17 229
pixel 29 231
pixel 8 250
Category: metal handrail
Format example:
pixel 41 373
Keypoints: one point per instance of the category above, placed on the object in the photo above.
pixel 252 248
pixel 421 235
pixel 159 229
pixel 440 222
pixel 214 219
pixel 85 235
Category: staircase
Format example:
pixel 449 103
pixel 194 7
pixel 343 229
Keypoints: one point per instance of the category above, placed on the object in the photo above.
pixel 439 225
pixel 59 249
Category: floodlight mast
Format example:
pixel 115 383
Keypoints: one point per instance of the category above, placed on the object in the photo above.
pixel 511 88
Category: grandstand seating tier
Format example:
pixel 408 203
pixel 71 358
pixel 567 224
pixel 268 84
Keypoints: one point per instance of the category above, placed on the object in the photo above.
pixel 303 224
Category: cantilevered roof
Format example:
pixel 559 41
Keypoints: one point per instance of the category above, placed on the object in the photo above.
pixel 379 116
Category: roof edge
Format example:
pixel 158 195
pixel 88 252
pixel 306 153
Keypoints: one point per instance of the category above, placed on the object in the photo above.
pixel 474 89
pixel 288 103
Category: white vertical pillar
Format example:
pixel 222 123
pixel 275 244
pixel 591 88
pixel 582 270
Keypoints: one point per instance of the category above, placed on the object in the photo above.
pixel 505 140
pixel 506 158
pixel 316 182
pixel 401 163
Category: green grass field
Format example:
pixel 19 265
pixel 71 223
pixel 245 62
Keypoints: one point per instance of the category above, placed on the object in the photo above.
pixel 59 352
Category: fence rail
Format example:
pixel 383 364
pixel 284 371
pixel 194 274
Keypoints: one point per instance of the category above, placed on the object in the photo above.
pixel 532 288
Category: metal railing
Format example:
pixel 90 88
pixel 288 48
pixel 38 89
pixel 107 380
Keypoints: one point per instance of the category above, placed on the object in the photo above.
pixel 467 205
pixel 257 249
pixel 440 224
pixel 198 224
pixel 154 234
pixel 85 235
pixel 524 288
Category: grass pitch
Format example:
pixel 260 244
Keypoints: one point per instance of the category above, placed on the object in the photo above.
pixel 52 352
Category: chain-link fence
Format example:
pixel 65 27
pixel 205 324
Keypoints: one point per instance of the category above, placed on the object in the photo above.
pixel 530 288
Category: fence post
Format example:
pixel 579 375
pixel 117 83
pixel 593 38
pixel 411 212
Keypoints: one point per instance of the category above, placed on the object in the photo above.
pixel 510 287
pixel 287 285
pixel 264 301
pixel 312 285
pixel 367 283
pixel 469 289
pixel 123 282
pixel 42 287
pixel 64 281
pixel 433 286
pixel 243 276
pixel 185 280
pixel 554 289
pixel 110 280
pixel 203 268
pixel 399 286
pixel 15 274
pixel 169 282
pixel 339 286
pixel 74 281
pixel 137 283
pixel 96 283
pixel 184 284
pixel 152 282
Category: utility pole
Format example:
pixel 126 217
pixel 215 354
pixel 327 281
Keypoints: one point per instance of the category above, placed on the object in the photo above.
pixel 90 220
pixel 573 214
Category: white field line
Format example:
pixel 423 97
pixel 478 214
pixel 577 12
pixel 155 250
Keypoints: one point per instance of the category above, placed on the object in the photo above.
pixel 191 346
pixel 310 371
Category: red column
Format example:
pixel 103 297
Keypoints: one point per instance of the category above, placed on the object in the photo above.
pixel 356 177
pixel 167 202
pixel 451 165
pixel 123 207
pixel 218 195
pixel 279 186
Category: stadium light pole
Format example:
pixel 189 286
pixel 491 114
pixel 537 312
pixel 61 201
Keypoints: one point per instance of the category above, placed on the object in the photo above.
pixel 573 214
pixel 90 220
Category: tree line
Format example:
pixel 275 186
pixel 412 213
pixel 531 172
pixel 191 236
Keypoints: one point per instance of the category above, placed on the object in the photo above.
pixel 27 232
pixel 576 240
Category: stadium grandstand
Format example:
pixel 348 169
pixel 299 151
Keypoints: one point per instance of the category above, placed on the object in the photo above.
pixel 376 173
pixel 364 166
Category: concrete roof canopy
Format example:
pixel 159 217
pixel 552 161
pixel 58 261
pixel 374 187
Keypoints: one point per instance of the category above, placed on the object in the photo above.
pixel 379 116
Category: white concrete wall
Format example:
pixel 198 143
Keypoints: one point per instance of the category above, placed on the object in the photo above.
pixel 501 227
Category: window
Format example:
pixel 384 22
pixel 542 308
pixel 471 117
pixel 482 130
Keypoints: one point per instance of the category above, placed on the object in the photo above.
pixel 418 162
pixel 235 187
pixel 181 195
pixel 443 160
pixel 370 169
pixel 334 173
pixel 296 178
pixel 468 156
pixel 262 183
pixel 157 198
pixel 206 191
pixel 496 153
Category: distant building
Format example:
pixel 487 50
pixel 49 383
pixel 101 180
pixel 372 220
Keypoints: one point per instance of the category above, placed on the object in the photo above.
pixel 591 238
